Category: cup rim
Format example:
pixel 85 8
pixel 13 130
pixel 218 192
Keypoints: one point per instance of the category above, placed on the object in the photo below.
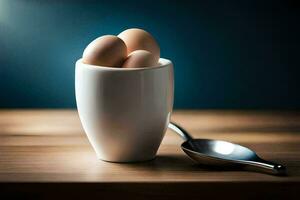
pixel 163 62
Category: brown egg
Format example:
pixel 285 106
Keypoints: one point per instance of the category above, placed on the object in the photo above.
pixel 108 50
pixel 136 39
pixel 140 58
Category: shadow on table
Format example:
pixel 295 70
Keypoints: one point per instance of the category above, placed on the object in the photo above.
pixel 176 162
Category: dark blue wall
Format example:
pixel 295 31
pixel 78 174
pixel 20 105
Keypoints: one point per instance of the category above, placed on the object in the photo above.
pixel 238 54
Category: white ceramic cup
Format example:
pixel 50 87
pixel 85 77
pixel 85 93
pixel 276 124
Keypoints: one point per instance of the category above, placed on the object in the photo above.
pixel 124 112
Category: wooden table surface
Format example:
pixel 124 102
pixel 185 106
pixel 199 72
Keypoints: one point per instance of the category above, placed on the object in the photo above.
pixel 45 154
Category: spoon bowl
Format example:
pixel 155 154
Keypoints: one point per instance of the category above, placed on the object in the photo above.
pixel 216 152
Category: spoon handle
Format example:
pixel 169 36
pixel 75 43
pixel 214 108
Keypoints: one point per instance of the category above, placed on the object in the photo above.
pixel 180 131
pixel 266 166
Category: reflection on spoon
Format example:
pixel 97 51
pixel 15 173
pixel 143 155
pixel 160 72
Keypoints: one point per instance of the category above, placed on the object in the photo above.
pixel 223 147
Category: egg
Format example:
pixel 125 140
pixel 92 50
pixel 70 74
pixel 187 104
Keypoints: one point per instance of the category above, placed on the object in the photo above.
pixel 140 58
pixel 107 50
pixel 138 39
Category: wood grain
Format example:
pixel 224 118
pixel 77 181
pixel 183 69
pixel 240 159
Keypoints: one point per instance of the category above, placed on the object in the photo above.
pixel 43 149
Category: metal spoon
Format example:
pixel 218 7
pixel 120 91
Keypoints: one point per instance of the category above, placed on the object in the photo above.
pixel 221 153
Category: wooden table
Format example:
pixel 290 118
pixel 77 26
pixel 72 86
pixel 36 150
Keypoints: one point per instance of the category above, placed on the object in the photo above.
pixel 45 154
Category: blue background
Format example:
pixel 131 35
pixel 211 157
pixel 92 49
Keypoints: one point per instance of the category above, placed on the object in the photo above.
pixel 226 54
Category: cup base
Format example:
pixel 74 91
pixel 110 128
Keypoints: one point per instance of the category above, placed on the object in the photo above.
pixel 128 161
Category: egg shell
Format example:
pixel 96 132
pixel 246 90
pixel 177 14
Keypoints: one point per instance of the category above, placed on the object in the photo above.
pixel 107 50
pixel 140 58
pixel 138 39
